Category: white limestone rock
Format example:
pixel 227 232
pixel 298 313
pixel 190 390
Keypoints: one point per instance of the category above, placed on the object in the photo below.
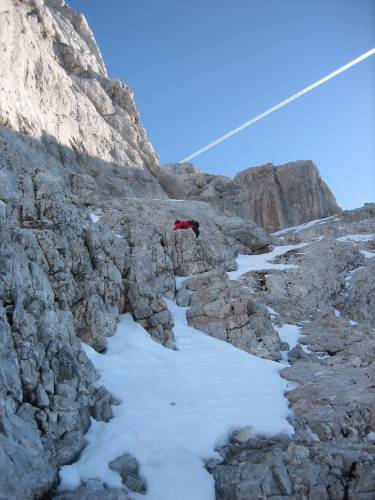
pixel 226 310
pixel 59 91
pixel 273 196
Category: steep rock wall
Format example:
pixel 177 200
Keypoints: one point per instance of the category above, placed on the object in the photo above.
pixel 74 255
pixel 54 88
pixel 274 197
pixel 278 197
pixel 85 235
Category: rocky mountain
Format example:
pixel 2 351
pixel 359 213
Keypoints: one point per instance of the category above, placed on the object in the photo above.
pixel 85 236
pixel 55 89
pixel 86 217
pixel 274 197
pixel 329 294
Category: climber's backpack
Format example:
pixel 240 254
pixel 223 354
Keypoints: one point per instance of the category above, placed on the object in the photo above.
pixel 194 223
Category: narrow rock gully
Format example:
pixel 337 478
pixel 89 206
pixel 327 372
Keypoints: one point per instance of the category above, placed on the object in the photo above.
pixel 243 415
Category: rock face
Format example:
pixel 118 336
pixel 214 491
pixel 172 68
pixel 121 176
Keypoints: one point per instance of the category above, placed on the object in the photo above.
pixel 86 235
pixel 277 197
pixel 284 469
pixel 274 197
pixel 329 295
pixel 226 310
pixel 55 89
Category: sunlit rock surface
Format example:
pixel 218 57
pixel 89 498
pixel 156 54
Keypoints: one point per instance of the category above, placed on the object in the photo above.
pixel 86 234
pixel 273 196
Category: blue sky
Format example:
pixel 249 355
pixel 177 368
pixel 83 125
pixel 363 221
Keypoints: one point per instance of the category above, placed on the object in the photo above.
pixel 201 68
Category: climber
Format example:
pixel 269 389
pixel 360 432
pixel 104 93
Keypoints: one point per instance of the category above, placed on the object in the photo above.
pixel 187 224
pixel 195 227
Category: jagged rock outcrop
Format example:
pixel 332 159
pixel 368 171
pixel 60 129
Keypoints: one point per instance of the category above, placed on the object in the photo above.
pixel 85 235
pixel 46 381
pixel 310 288
pixel 54 88
pixel 226 310
pixel 148 226
pixel 62 278
pixel 277 197
pixel 128 468
pixel 323 285
pixel 94 266
pixel 191 256
pixel 274 197
pixel 359 296
pixel 280 468
pixel 94 490
pixel 333 402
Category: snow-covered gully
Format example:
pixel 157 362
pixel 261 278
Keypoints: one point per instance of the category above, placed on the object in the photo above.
pixel 178 406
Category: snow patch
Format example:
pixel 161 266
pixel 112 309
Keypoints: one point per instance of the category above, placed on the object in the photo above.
pixel 272 311
pixel 177 407
pixel 356 237
pixel 95 218
pixel 261 262
pixel 180 280
pixel 289 333
pixel 350 275
pixel 306 349
pixel 302 227
pixel 367 254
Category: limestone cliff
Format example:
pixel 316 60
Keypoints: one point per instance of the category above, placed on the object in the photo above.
pixel 85 235
pixel 54 88
pixel 274 197
pixel 332 452
pixel 86 219
pixel 278 197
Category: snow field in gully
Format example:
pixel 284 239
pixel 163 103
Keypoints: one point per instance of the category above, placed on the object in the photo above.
pixel 178 406
pixel 261 262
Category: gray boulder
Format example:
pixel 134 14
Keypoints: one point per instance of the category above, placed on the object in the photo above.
pixel 280 468
pixel 226 310
pixel 128 468
pixel 93 489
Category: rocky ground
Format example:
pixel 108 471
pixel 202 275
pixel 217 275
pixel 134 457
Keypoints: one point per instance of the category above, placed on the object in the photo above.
pixel 72 260
pixel 330 370
pixel 85 235
pixel 330 297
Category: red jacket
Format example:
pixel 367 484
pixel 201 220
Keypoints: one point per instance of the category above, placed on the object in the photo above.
pixel 183 224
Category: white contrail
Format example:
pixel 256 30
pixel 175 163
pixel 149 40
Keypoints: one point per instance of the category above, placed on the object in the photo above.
pixel 281 104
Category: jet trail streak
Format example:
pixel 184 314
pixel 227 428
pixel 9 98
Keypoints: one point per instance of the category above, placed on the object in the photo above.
pixel 281 104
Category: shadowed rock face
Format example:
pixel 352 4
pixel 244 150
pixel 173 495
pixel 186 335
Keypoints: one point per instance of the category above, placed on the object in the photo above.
pixel 280 468
pixel 66 277
pixel 274 197
pixel 71 145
